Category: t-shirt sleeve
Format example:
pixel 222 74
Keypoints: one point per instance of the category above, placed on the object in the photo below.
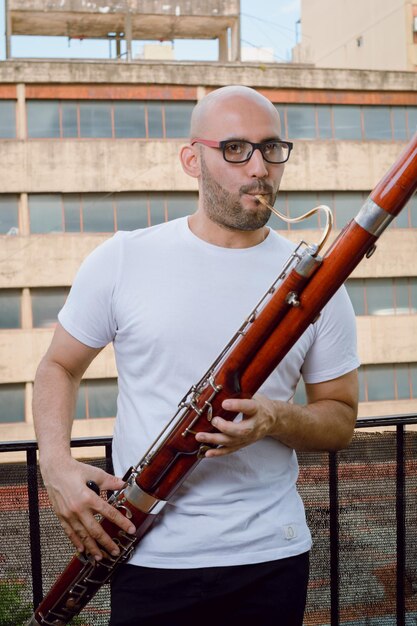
pixel 333 352
pixel 88 313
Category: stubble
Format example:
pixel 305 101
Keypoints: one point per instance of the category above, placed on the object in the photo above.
pixel 226 209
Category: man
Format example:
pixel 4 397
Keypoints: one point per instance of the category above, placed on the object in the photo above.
pixel 232 545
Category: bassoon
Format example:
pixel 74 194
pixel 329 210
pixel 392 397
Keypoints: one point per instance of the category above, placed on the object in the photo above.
pixel 291 304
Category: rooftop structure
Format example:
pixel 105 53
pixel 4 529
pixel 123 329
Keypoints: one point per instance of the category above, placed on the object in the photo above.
pixel 129 20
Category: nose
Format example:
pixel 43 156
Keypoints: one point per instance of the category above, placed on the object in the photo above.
pixel 257 165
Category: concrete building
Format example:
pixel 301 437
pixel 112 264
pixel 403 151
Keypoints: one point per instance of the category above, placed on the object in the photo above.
pixel 127 20
pixel 92 147
pixel 359 34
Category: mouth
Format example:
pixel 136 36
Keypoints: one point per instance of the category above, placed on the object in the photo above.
pixel 258 195
pixel 260 198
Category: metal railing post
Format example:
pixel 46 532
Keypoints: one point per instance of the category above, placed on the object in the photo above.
pixel 34 526
pixel 400 517
pixel 334 538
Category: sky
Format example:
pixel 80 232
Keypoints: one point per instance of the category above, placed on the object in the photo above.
pixel 264 23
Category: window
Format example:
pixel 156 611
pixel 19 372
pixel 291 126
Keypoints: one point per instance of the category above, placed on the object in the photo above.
pixel 98 213
pixel 300 203
pixel 46 215
pixel 180 205
pixel 412 209
pixel 95 119
pixel 301 122
pixel 7 119
pixel 132 211
pixel 388 382
pixel 177 118
pixel 399 123
pixel 69 120
pixel 377 122
pixel 383 296
pixel 379 296
pixel 155 124
pixel 43 119
pixel 325 122
pixel 12 403
pixel 9 214
pixel 10 308
pixel 129 119
pixel 153 119
pixel 412 121
pixel 356 291
pixel 347 122
pixel 97 398
pixel 46 304
pixel 380 383
pixel 72 212
pixel 105 213
pixel 347 205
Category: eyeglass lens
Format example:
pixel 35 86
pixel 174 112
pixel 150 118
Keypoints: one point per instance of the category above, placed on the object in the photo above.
pixel 240 151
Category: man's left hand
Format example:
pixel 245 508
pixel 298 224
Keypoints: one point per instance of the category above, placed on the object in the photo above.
pixel 259 417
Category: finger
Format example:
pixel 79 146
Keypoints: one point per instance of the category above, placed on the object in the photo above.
pixel 105 481
pixel 116 517
pixel 72 535
pixel 222 451
pixel 85 532
pixel 234 429
pixel 94 538
pixel 90 546
pixel 95 504
pixel 240 405
pixel 215 439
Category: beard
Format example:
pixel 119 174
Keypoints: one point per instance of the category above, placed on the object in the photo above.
pixel 226 209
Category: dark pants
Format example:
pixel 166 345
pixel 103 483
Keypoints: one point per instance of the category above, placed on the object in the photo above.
pixel 264 594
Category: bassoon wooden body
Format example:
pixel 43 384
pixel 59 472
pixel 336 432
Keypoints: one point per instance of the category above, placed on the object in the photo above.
pixel 292 303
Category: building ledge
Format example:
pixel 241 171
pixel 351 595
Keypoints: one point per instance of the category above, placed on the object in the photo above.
pixel 268 75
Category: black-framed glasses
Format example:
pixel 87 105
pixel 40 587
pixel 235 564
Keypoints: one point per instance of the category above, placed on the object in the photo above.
pixel 240 151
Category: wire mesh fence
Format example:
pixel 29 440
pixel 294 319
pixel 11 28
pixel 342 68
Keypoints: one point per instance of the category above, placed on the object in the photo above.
pixel 361 506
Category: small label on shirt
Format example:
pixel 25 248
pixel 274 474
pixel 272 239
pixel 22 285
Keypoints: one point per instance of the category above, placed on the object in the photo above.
pixel 290 531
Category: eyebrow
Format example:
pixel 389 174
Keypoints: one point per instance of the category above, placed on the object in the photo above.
pixel 244 139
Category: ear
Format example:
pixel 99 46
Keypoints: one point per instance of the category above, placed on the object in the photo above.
pixel 190 161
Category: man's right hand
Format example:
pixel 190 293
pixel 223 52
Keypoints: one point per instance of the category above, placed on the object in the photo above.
pixel 76 505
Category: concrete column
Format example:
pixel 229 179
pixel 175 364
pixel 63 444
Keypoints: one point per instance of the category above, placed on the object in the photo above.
pixel 21 111
pixel 28 403
pixel 128 35
pixel 24 218
pixel 26 309
pixel 8 29
pixel 224 47
pixel 235 41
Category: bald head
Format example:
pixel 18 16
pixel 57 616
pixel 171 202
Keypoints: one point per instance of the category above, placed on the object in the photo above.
pixel 209 111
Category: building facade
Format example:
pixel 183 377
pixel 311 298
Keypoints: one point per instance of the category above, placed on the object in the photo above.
pixel 92 147
pixel 359 34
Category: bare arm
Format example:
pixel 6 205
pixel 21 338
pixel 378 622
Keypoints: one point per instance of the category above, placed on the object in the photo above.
pixel 326 422
pixel 55 391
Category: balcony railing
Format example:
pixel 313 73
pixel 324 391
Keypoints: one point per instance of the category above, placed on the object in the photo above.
pixel 361 505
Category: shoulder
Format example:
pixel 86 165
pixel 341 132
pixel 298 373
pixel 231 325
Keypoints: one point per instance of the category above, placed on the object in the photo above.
pixel 280 242
pixel 154 233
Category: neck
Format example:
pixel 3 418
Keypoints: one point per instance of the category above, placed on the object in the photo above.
pixel 207 230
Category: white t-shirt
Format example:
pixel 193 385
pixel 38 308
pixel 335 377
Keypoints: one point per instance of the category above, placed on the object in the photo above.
pixel 170 302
